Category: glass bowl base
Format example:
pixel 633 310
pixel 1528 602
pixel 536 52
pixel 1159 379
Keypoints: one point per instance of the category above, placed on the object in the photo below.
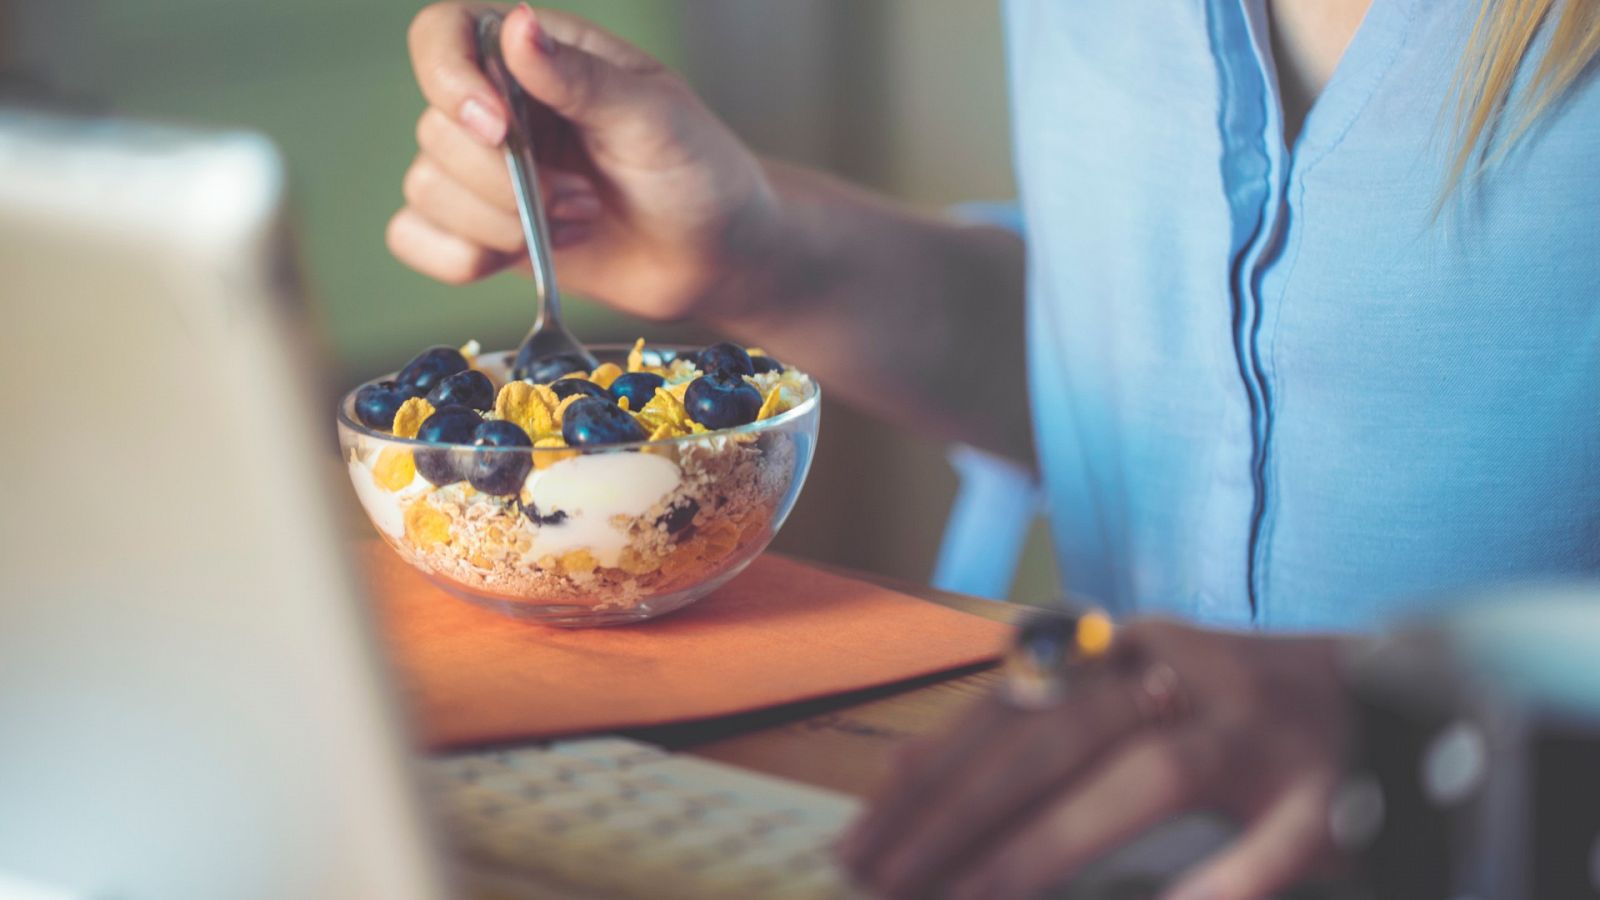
pixel 573 615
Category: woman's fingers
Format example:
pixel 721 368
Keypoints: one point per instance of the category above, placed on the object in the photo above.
pixel 449 206
pixel 443 44
pixel 479 168
pixel 1277 848
pixel 571 67
pixel 437 253
pixel 930 765
pixel 1153 776
pixel 966 805
pixel 576 31
pixel 1041 757
pixel 482 169
pixel 1013 804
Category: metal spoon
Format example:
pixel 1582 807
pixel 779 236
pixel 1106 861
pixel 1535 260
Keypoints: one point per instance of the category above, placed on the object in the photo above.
pixel 549 351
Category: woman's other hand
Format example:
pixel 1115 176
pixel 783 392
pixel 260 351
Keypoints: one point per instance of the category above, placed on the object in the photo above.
pixel 1012 801
pixel 653 203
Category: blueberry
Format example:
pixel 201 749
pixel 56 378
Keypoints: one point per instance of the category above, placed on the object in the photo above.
pixel 447 425
pixel 724 357
pixel 545 369
pixel 376 404
pixel 638 387
pixel 590 422
pixel 566 387
pixel 765 364
pixel 538 518
pixel 679 516
pixel 499 472
pixel 721 400
pixel 430 367
pixel 470 388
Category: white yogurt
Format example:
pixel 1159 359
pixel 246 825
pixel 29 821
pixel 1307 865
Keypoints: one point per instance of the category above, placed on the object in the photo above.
pixel 592 490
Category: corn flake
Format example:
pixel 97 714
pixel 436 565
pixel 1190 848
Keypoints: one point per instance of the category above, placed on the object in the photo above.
pixel 544 459
pixel 548 395
pixel 410 416
pixel 633 562
pixel 720 539
pixel 636 356
pixel 770 404
pixel 665 408
pixel 394 469
pixel 521 404
pixel 426 526
pixel 605 374
pixel 576 562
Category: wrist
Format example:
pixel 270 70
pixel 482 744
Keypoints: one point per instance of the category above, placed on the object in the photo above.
pixel 770 254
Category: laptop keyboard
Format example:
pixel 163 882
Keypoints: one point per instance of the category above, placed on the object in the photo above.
pixel 610 817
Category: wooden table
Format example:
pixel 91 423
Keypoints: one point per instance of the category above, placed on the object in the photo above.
pixel 843 742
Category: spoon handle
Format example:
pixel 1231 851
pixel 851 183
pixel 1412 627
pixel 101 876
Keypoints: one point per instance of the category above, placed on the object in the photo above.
pixel 520 164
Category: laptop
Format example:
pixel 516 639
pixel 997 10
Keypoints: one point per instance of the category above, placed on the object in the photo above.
pixel 190 704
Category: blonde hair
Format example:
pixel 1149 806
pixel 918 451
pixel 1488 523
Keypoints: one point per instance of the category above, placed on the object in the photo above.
pixel 1500 42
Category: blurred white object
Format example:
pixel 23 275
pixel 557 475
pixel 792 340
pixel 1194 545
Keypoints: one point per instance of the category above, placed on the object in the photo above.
pixel 995 506
pixel 190 709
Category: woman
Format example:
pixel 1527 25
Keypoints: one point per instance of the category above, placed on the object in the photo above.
pixel 1309 332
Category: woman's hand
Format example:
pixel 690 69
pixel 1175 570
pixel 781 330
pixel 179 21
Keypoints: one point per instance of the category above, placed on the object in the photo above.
pixel 1012 802
pixel 653 203
pixel 658 210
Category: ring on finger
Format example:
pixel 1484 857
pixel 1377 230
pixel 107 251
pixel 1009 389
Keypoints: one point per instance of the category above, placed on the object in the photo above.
pixel 1048 653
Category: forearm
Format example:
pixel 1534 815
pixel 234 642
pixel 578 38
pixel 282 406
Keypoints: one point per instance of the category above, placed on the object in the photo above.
pixel 908 316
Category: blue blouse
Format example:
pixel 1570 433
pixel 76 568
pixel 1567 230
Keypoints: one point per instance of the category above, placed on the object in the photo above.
pixel 1271 388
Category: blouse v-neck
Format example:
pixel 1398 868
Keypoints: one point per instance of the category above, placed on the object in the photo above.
pixel 1356 75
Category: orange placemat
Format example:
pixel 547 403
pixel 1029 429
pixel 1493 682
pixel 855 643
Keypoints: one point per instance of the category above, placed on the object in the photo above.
pixel 780 632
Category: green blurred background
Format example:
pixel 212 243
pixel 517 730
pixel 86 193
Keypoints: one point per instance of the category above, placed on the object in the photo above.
pixel 905 95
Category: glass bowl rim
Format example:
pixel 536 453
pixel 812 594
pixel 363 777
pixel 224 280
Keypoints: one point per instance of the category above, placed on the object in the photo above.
pixel 801 410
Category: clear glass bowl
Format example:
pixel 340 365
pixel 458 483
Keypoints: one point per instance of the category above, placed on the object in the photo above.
pixel 612 535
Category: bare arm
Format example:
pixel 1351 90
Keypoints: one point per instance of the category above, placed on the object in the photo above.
pixel 911 317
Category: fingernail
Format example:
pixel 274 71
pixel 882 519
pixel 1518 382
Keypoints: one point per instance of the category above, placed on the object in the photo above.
pixel 542 38
pixel 482 121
